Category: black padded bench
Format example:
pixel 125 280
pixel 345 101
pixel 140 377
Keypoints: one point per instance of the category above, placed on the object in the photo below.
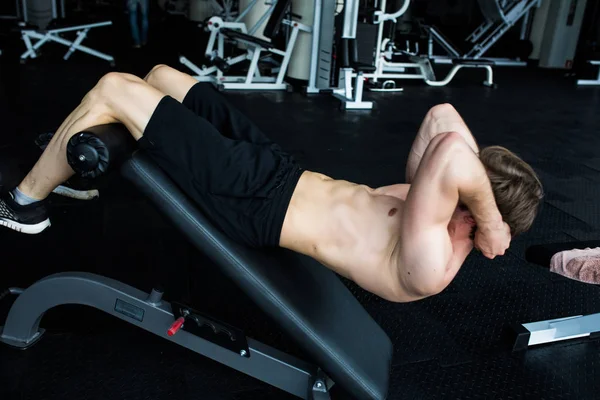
pixel 342 343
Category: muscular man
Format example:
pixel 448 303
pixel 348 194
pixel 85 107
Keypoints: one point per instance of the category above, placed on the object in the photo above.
pixel 402 242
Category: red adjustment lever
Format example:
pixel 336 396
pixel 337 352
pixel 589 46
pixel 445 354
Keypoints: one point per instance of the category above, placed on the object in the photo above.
pixel 177 325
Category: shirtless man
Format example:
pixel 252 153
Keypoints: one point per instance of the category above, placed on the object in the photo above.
pixel 402 242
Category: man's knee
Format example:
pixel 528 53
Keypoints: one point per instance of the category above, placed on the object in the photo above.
pixel 442 111
pixel 117 82
pixel 160 72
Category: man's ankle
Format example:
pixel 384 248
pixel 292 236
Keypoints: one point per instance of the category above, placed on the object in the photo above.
pixel 23 199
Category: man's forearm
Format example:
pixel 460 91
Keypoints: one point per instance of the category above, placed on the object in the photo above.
pixel 475 189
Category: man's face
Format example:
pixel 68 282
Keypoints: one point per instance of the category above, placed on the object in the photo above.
pixel 463 223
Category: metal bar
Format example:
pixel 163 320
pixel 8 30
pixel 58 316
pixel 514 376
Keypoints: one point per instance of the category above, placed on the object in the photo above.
pixel 480 31
pixel 241 79
pixel 378 55
pixel 350 19
pixel 254 86
pixel 511 19
pixel 150 313
pixel 42 39
pixel 253 65
pixel 315 49
pixel 488 82
pixel 83 49
pixel 562 329
pixel 524 25
pixel 54 11
pixel 497 61
pixel 80 38
pixel 442 42
pixel 246 11
pixel 262 19
pixel 81 27
pixel 288 54
pixel 194 67
pixel 211 44
pixel 391 17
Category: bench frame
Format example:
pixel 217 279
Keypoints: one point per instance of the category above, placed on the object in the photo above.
pixel 150 312
pixel 55 35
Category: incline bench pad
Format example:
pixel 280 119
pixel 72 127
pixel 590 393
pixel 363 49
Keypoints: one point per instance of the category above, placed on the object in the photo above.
pixel 308 301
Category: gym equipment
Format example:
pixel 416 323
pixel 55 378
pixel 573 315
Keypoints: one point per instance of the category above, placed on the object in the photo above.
pixel 321 60
pixel 555 32
pixel 391 63
pixel 352 72
pixel 309 301
pixel 217 73
pixel 543 332
pixel 500 16
pixel 299 67
pixel 35 39
pixel 591 82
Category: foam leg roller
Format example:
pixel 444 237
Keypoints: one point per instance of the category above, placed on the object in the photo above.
pixel 93 152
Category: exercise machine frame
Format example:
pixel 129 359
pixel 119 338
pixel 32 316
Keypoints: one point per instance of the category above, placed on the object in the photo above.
pixel 387 70
pixel 34 39
pixel 55 35
pixel 150 312
pixel 253 80
pixel 499 19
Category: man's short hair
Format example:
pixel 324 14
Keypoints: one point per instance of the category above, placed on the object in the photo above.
pixel 517 189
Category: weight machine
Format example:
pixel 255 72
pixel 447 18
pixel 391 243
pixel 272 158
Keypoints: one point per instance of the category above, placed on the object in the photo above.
pixel 391 63
pixel 236 31
pixel 500 16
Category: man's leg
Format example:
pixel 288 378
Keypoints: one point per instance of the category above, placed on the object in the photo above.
pixel 442 118
pixel 116 98
pixel 207 103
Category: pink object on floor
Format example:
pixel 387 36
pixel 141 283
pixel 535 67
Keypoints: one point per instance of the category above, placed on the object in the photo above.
pixel 579 264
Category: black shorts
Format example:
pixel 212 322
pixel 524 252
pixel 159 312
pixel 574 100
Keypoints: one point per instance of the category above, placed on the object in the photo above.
pixel 241 180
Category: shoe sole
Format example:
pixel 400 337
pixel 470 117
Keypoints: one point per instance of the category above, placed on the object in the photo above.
pixel 25 228
pixel 77 194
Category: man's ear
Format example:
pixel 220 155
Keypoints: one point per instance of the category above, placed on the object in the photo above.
pixel 469 219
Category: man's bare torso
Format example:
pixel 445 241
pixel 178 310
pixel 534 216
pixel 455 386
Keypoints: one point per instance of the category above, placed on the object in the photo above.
pixel 352 229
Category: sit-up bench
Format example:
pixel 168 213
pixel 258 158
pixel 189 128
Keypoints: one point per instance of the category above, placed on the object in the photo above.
pixel 342 343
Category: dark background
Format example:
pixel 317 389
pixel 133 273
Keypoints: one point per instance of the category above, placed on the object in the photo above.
pixel 446 347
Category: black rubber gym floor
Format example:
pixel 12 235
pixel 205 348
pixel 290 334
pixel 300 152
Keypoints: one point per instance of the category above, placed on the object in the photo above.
pixel 447 347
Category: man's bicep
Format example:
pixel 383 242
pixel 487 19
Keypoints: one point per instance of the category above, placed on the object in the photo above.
pixel 424 259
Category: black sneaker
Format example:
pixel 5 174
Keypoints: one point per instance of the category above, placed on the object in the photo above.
pixel 31 219
pixel 75 188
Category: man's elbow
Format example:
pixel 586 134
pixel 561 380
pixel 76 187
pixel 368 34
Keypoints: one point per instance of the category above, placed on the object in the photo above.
pixel 412 291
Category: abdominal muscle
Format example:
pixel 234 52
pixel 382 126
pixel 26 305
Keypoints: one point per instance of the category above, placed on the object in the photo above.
pixel 347 227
